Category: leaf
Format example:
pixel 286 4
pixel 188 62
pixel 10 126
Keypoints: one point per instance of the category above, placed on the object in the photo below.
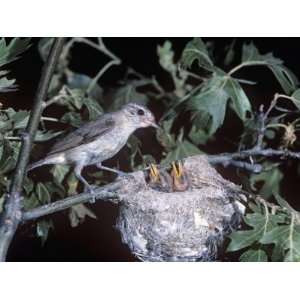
pixel 212 100
pixel 11 52
pixel 229 53
pixel 42 193
pixel 42 229
pixel 240 102
pixel 286 238
pixel 42 136
pixel 7 85
pixel 254 256
pixel 94 108
pixel 166 57
pixel 82 82
pixel 196 50
pixel 78 213
pixel 31 202
pixel 182 150
pixel 251 55
pixel 296 98
pixel 198 136
pixel 271 182
pixel 44 47
pixel 286 78
pixel 1 202
pixel 260 223
pixel 73 118
pixel 126 94
pixel 59 172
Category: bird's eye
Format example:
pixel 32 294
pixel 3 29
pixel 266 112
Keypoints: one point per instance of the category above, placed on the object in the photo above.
pixel 140 112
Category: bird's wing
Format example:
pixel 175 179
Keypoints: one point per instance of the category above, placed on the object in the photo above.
pixel 85 134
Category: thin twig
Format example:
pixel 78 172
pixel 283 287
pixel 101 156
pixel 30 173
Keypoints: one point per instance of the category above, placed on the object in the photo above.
pixel 12 213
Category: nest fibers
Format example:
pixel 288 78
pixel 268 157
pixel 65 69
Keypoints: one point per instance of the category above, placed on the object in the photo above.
pixel 179 226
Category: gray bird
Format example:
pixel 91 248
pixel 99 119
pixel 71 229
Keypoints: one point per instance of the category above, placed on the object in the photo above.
pixel 98 140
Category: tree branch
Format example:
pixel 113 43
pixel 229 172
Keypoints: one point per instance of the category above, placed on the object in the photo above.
pixel 110 191
pixel 12 213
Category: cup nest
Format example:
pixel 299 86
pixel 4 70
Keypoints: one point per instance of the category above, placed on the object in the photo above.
pixel 187 225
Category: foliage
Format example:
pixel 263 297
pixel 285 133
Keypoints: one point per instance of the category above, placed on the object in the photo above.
pixel 205 92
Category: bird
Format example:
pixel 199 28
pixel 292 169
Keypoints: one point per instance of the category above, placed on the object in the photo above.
pixel 160 179
pixel 97 141
pixel 179 176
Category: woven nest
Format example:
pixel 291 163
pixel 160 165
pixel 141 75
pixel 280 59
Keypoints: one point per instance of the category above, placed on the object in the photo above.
pixel 179 226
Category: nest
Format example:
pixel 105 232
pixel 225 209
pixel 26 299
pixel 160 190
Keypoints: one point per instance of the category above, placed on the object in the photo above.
pixel 189 225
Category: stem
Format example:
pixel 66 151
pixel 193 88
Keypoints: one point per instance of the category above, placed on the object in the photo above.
pixel 246 64
pixel 12 213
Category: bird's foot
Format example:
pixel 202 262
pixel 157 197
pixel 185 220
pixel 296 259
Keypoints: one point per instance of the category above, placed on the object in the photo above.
pixel 91 189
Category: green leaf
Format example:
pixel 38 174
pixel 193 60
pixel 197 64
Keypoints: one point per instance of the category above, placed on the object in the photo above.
pixel 42 193
pixel 73 118
pixel 42 229
pixel 82 82
pixel 286 238
pixel 254 256
pixel 271 182
pixel 240 102
pixel 78 213
pixel 42 136
pixel 11 52
pixel 59 172
pixel 198 136
pixel 285 77
pixel 1 202
pixel 7 85
pixel 196 50
pixel 94 108
pixel 182 150
pixel 212 99
pixel 166 57
pixel 229 53
pixel 296 98
pixel 251 55
pixel 126 94
pixel 31 202
pixel 260 223
pixel 44 47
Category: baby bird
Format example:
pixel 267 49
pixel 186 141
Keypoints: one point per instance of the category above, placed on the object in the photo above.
pixel 160 180
pixel 98 140
pixel 179 176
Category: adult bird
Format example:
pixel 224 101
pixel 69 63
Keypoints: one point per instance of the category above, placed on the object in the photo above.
pixel 98 140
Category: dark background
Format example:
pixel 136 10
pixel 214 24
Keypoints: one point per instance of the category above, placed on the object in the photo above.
pixel 97 240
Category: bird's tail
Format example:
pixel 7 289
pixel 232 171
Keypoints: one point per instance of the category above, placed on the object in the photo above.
pixel 37 164
pixel 52 159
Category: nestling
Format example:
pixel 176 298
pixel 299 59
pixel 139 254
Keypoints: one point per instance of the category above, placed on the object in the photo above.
pixel 98 140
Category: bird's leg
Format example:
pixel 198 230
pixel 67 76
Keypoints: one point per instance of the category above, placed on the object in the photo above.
pixel 87 186
pixel 119 173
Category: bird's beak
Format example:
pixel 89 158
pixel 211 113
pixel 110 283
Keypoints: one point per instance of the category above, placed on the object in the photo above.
pixel 153 124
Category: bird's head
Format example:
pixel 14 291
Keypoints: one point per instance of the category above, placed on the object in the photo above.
pixel 139 115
